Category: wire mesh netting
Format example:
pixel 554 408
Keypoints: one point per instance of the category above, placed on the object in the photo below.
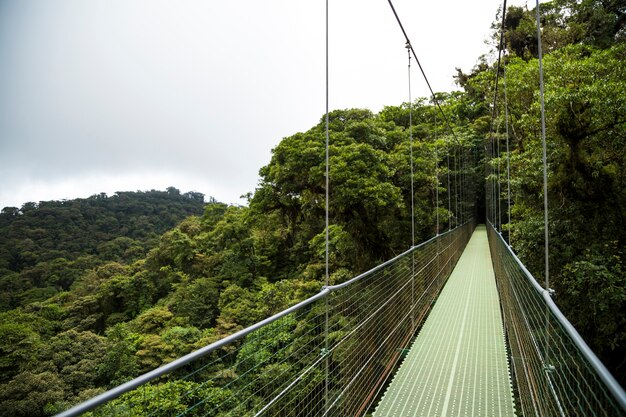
pixel 329 355
pixel 555 372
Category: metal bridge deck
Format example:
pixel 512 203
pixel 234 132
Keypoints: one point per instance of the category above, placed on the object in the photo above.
pixel 458 364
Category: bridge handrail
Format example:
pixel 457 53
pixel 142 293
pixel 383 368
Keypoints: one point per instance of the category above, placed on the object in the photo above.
pixel 202 352
pixel 611 383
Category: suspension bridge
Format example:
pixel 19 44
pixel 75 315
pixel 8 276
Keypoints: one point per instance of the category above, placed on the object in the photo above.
pixel 454 326
pixel 448 328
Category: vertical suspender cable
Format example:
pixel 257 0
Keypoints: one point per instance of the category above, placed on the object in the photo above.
pixel 436 173
pixel 499 190
pixel 545 163
pixel 327 278
pixel 462 190
pixel 449 202
pixel 497 209
pixel 508 154
pixel 494 193
pixel 456 187
pixel 408 47
pixel 327 141
pixel 545 180
pixel 491 183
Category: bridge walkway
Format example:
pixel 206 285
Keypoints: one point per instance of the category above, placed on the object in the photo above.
pixel 457 365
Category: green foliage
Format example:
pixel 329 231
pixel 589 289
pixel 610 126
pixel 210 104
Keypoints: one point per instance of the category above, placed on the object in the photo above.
pixel 596 23
pixel 29 393
pixel 596 285
pixel 45 247
pixel 168 399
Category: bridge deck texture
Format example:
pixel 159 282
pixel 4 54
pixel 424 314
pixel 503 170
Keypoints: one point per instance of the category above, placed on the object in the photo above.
pixel 458 364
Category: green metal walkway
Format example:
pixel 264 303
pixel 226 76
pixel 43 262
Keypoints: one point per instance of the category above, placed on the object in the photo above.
pixel 458 363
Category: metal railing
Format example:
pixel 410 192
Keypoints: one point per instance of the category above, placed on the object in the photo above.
pixel 555 372
pixel 327 356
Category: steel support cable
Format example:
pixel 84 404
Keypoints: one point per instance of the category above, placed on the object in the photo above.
pixel 493 116
pixel 545 173
pixel 412 181
pixel 436 174
pixel 448 174
pixel 494 214
pixel 327 277
pixel 508 154
pixel 499 189
pixel 327 131
pixel 411 149
pixel 462 191
pixel 457 187
pixel 543 141
pixel 496 186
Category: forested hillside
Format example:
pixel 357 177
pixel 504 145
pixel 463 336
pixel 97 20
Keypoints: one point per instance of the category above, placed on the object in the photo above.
pixel 100 290
pixel 46 246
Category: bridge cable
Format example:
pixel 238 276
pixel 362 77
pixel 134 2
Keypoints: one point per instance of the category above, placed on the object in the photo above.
pixel 545 182
pixel 449 201
pixel 436 175
pixel 508 153
pixel 496 201
pixel 545 164
pixel 456 187
pixel 408 46
pixel 327 278
pixel 497 190
pixel 412 193
pixel 506 124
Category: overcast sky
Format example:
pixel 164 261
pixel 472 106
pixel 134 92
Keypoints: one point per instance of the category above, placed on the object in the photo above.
pixel 116 95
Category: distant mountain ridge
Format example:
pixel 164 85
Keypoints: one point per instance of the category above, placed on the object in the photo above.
pixel 39 240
